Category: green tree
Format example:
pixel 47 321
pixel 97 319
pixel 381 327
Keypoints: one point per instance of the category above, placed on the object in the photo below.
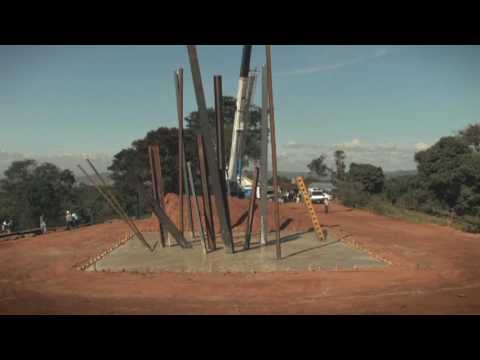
pixel 371 177
pixel 30 190
pixel 318 166
pixel 340 156
pixel 252 136
pixel 439 168
pixel 130 169
pixel 471 135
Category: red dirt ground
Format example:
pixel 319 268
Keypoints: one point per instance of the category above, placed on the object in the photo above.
pixel 435 270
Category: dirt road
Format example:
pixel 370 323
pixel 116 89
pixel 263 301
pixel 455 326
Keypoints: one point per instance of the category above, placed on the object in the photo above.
pixel 435 270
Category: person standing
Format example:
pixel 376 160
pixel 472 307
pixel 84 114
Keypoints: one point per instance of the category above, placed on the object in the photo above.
pixel 68 220
pixel 325 203
pixel 43 225
pixel 75 219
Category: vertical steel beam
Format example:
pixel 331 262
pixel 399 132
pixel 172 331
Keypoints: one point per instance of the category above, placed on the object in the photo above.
pixel 178 77
pixel 264 162
pixel 251 212
pixel 197 208
pixel 207 205
pixel 154 157
pixel 161 187
pixel 217 85
pixel 210 150
pixel 217 82
pixel 268 53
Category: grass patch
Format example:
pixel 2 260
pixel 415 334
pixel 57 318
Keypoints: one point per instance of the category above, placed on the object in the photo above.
pixel 382 207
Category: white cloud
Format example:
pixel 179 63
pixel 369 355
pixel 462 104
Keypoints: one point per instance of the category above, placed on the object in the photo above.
pixel 64 161
pixel 388 155
pixel 339 64
pixel 421 146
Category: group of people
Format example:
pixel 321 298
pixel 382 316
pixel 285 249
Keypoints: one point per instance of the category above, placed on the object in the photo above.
pixel 71 220
pixel 7 226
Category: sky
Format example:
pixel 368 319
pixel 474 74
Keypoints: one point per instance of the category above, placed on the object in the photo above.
pixel 378 103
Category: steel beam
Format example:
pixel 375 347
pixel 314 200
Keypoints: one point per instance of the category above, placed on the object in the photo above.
pixel 118 210
pixel 188 199
pixel 251 212
pixel 206 200
pixel 264 162
pixel 210 150
pixel 178 77
pixel 217 82
pixel 278 248
pixel 157 184
pixel 170 226
pixel 197 208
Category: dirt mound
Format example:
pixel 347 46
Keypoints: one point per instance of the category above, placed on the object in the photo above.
pixel 293 217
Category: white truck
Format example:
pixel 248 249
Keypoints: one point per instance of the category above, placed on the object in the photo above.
pixel 270 192
pixel 318 196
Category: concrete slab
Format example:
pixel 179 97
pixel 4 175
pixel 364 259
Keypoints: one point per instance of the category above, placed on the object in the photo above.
pixel 301 252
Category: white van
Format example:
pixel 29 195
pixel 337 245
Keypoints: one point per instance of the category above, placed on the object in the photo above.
pixel 318 196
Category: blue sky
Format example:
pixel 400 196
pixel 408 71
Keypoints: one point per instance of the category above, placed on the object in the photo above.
pixel 378 103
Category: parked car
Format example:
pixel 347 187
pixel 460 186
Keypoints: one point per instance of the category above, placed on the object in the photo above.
pixel 318 196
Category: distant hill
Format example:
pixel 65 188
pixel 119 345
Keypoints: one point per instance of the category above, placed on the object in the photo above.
pixel 81 179
pixel 392 174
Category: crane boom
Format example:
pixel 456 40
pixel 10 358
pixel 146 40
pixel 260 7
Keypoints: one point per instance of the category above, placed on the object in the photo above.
pixel 239 119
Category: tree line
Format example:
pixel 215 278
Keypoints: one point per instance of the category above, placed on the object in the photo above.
pixel 447 182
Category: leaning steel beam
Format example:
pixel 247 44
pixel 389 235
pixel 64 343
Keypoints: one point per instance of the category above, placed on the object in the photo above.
pixel 251 212
pixel 217 85
pixel 171 228
pixel 157 192
pixel 278 249
pixel 179 92
pixel 197 208
pixel 118 211
pixel 209 150
pixel 264 162
pixel 189 201
pixel 117 204
pixel 206 199
pixel 217 82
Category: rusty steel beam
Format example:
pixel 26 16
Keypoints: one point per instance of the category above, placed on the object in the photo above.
pixel 210 150
pixel 206 199
pixel 181 153
pixel 251 211
pixel 157 184
pixel 273 140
